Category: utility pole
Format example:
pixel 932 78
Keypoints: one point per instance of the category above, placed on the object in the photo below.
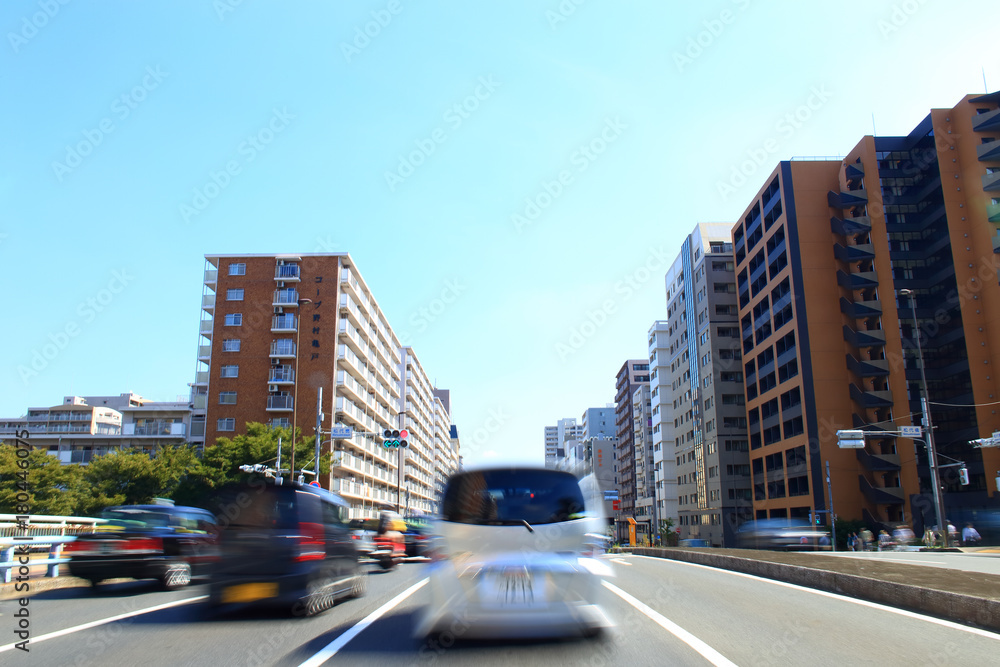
pixel 833 520
pixel 925 405
pixel 319 432
pixel 278 474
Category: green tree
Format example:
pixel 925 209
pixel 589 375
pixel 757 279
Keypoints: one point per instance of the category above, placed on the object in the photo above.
pixel 124 477
pixel 220 464
pixel 52 488
pixel 668 536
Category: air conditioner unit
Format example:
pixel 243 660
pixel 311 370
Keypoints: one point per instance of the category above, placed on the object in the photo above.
pixel 272 387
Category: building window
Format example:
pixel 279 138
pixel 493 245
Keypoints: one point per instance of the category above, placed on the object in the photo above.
pixel 234 294
pixel 227 424
pixel 230 371
pixel 231 345
pixel 238 269
pixel 227 398
pixel 234 320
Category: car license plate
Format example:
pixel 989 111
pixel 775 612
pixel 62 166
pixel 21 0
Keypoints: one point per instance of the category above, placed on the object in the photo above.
pixel 107 547
pixel 512 587
pixel 249 593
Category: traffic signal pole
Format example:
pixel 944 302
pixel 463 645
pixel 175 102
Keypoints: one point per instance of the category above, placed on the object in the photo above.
pixel 319 432
pixel 833 520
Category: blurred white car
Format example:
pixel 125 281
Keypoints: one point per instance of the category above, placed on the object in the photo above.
pixel 514 554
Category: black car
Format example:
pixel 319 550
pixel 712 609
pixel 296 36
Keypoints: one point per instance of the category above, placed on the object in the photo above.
pixel 287 546
pixel 415 537
pixel 163 542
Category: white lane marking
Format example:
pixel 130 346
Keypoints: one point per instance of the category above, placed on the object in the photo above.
pixel 698 645
pixel 620 561
pixel 331 649
pixel 103 621
pixel 835 596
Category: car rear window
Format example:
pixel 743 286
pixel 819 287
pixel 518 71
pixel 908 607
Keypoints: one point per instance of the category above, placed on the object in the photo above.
pixel 273 508
pixel 136 519
pixel 512 496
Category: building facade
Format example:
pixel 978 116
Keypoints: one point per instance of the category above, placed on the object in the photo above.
pixel 277 329
pixel 83 427
pixel 828 256
pixel 703 417
pixel 633 373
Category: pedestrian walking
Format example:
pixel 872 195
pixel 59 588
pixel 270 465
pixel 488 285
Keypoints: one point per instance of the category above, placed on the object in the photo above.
pixel 884 541
pixel 970 536
pixel 866 539
pixel 852 542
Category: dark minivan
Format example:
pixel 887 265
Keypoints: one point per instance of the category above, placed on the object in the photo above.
pixel 287 546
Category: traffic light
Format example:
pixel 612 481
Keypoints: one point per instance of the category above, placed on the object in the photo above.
pixel 963 476
pixel 393 439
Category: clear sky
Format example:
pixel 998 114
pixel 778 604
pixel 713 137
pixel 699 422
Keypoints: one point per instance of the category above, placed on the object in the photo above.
pixel 498 170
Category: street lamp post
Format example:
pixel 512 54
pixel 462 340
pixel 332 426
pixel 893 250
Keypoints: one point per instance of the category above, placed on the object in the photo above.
pixel 925 405
pixel 295 392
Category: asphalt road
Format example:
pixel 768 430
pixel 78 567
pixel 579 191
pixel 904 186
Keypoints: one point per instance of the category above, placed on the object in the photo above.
pixel 668 613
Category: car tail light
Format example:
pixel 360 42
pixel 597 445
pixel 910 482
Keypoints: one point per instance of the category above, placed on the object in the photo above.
pixel 77 548
pixel 147 545
pixel 312 542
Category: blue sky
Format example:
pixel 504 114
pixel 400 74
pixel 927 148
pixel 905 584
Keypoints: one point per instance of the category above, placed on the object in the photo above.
pixel 525 161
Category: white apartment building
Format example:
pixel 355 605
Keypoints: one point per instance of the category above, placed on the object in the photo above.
pixel 83 427
pixel 563 442
pixel 661 397
pixel 642 438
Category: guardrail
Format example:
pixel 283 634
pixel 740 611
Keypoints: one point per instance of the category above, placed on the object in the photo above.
pixel 8 563
pixel 35 530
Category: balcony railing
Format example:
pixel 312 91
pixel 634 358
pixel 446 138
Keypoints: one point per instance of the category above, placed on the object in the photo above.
pixel 158 427
pixel 286 272
pixel 281 374
pixel 283 323
pixel 283 348
pixel 279 402
pixel 206 327
pixel 286 297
